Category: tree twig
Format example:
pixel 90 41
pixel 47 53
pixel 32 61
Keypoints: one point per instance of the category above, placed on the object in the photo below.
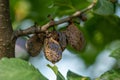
pixel 37 29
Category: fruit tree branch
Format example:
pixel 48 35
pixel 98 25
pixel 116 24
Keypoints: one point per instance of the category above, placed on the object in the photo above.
pixel 38 29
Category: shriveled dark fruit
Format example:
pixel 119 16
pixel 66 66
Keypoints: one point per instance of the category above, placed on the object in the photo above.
pixel 54 35
pixel 52 49
pixel 74 36
pixel 60 37
pixel 62 40
pixel 34 44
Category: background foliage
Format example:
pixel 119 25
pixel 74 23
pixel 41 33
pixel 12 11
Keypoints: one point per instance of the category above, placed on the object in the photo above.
pixel 100 30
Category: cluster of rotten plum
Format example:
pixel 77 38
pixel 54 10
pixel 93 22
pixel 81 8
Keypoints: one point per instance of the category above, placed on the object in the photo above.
pixel 55 42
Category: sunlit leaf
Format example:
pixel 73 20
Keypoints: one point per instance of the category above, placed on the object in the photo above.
pixel 58 74
pixel 74 76
pixel 21 10
pixel 12 7
pixel 17 69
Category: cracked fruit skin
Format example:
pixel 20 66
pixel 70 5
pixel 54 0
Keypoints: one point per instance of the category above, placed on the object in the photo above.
pixel 75 37
pixel 52 50
pixel 35 44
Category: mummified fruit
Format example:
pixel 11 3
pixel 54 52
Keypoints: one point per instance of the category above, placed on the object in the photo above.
pixel 52 50
pixel 53 46
pixel 62 40
pixel 34 44
pixel 60 37
pixel 74 36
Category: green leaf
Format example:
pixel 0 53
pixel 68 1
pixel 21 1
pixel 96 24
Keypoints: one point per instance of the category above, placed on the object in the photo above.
pixel 102 30
pixel 17 69
pixel 99 31
pixel 12 9
pixel 66 7
pixel 104 7
pixel 40 9
pixel 116 53
pixel 57 73
pixel 74 76
pixel 110 75
pixel 54 68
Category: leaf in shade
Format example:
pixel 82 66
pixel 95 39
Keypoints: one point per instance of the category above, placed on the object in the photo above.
pixel 75 37
pixel 100 33
pixel 104 7
pixel 74 76
pixel 17 69
pixel 40 9
pixel 34 44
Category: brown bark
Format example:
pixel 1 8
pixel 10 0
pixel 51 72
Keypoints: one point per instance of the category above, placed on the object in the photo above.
pixel 6 45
